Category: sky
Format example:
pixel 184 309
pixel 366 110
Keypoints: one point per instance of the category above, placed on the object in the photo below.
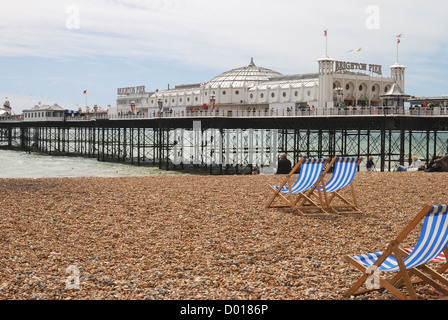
pixel 51 51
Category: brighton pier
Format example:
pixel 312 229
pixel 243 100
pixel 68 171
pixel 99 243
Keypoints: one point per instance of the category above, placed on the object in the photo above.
pixel 241 120
pixel 234 143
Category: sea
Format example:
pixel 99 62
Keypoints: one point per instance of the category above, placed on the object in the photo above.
pixel 20 164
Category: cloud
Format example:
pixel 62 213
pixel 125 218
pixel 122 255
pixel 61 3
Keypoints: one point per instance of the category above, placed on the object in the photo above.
pixel 207 31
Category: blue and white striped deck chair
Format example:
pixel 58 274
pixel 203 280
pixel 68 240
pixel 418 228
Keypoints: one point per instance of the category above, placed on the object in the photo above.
pixel 300 191
pixel 432 242
pixel 343 175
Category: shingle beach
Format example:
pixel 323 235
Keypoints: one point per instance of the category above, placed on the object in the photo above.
pixel 194 237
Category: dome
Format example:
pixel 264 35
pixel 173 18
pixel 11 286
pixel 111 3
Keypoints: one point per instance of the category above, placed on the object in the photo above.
pixel 242 77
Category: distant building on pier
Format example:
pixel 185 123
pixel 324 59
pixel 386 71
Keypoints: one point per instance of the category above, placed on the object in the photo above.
pixel 336 84
pixel 6 111
pixel 44 113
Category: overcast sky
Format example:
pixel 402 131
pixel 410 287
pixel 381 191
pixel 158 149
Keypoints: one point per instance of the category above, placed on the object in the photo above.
pixel 53 50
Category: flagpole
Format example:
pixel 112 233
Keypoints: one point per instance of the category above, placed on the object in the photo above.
pixel 326 42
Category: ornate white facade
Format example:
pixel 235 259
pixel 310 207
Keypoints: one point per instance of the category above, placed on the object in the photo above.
pixel 335 84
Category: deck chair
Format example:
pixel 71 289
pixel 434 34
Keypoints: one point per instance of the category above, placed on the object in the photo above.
pixel 343 175
pixel 401 264
pixel 298 194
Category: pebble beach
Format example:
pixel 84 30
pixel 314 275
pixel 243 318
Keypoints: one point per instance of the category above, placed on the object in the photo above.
pixel 195 237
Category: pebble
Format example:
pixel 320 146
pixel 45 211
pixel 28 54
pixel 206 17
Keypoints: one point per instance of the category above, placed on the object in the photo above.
pixel 194 237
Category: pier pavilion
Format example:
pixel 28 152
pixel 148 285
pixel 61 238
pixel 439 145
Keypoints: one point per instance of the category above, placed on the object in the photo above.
pixel 336 84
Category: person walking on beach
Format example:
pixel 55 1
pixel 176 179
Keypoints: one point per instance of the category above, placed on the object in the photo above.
pixel 370 165
pixel 284 166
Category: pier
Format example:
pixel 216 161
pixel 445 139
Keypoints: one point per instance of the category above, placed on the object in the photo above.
pixel 236 143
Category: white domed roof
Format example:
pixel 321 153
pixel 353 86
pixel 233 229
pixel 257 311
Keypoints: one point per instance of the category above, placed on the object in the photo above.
pixel 242 77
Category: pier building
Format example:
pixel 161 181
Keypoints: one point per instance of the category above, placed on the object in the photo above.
pixel 336 84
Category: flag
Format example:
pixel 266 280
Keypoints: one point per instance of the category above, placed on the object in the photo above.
pixel 398 41
pixel 325 33
pixel 85 92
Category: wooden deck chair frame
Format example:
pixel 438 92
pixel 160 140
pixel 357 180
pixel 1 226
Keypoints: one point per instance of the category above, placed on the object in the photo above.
pixel 301 200
pixel 402 276
pixel 348 205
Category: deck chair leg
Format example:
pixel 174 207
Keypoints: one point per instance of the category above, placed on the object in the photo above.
pixel 443 268
pixel 356 286
pixel 349 205
pixel 277 193
pixel 352 290
pixel 271 199
pixel 435 275
pixel 393 289
pixel 355 201
pixel 325 197
pixel 305 201
pixel 403 271
pixel 430 281
pixel 320 200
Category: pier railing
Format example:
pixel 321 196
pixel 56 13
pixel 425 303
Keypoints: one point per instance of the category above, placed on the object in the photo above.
pixel 228 113
pixel 275 113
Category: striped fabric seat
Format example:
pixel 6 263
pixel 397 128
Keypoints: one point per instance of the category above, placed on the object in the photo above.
pixel 310 172
pixel 343 174
pixel 433 239
pixel 440 258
